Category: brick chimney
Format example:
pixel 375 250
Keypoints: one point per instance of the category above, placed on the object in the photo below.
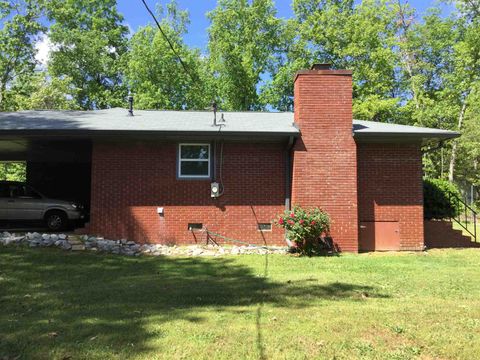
pixel 325 157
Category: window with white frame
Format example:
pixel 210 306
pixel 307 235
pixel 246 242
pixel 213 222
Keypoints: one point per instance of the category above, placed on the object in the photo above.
pixel 194 161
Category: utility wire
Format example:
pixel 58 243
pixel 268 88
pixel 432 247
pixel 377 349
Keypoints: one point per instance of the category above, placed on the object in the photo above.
pixel 185 68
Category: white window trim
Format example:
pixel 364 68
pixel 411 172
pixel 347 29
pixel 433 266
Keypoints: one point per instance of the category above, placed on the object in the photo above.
pixel 179 161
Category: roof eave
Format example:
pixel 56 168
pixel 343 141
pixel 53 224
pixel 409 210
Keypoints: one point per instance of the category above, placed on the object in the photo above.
pixel 383 137
pixel 136 133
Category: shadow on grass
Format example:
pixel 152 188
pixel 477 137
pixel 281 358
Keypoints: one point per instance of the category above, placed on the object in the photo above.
pixel 94 305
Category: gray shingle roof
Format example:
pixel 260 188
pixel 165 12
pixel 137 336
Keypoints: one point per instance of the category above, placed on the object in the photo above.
pixel 373 129
pixel 148 121
pixel 191 122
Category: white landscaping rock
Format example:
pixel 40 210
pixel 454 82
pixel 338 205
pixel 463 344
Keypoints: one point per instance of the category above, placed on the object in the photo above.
pixel 131 248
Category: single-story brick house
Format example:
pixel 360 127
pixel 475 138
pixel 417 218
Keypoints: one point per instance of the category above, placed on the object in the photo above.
pixel 149 176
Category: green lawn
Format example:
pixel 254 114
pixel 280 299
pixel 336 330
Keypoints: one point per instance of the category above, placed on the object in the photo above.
pixel 57 305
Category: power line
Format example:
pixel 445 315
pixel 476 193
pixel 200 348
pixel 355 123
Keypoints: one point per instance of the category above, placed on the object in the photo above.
pixel 185 68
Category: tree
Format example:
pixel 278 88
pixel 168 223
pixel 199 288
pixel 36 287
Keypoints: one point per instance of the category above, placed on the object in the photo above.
pixel 466 77
pixel 42 92
pixel 154 74
pixel 469 8
pixel 468 160
pixel 243 38
pixel 88 40
pixel 20 20
pixel 440 75
pixel 426 52
pixel 358 37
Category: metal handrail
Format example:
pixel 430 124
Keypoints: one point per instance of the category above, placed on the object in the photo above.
pixel 466 208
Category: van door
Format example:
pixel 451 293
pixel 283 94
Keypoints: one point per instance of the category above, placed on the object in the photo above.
pixel 24 203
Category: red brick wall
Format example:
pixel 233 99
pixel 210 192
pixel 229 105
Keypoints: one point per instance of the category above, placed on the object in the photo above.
pixel 130 180
pixel 390 188
pixel 324 160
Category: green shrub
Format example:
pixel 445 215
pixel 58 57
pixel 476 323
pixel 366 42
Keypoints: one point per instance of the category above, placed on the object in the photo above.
pixel 439 199
pixel 13 171
pixel 305 228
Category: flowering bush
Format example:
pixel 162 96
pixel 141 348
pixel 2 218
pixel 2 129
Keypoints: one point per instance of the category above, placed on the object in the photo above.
pixel 305 227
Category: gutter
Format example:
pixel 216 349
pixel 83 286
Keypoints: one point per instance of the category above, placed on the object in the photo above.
pixel 129 133
pixel 402 137
pixel 438 146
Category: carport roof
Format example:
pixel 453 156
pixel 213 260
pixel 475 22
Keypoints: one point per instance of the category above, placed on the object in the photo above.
pixel 117 121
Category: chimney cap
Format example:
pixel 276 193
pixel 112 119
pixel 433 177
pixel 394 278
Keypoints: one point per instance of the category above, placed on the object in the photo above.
pixel 322 69
pixel 325 66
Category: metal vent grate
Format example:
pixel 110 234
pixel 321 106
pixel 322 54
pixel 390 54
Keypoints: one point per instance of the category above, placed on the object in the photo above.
pixel 265 227
pixel 195 226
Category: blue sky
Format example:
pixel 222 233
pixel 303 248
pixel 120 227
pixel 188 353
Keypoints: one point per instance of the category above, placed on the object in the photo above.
pixel 136 15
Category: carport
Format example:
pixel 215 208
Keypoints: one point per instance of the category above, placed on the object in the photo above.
pixel 57 164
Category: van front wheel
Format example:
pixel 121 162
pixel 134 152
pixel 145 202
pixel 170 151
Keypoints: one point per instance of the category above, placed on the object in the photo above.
pixel 56 220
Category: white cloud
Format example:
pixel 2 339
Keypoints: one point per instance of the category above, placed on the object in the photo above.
pixel 43 47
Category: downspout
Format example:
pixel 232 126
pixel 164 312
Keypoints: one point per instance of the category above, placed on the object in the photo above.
pixel 288 170
pixel 288 180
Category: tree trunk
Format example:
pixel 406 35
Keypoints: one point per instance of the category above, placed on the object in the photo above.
pixel 408 57
pixel 453 158
pixel 1 95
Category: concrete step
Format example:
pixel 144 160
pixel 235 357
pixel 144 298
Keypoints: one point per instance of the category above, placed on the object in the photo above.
pixel 441 234
pixel 75 240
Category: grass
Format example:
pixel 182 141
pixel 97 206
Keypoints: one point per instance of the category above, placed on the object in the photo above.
pixel 56 305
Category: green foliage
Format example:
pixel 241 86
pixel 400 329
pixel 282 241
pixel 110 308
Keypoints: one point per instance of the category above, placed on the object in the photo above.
pixel 243 36
pixel 41 92
pixel 443 55
pixel 89 41
pixel 305 227
pixel 13 171
pixel 20 26
pixel 440 199
pixel 358 37
pixel 154 74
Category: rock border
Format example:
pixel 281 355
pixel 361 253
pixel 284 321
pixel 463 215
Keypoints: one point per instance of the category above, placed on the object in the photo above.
pixel 128 248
